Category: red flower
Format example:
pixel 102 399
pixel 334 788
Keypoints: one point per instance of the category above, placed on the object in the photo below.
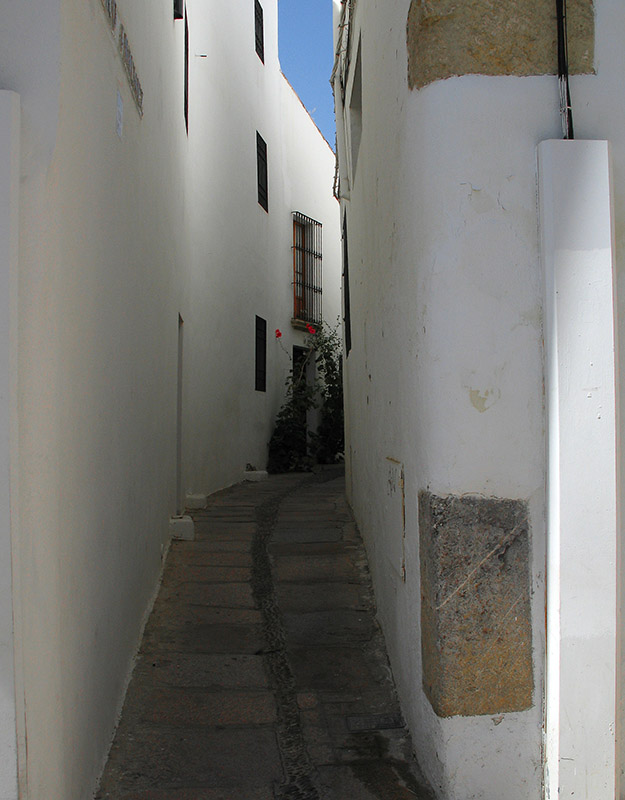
pixel 278 333
pixel 310 329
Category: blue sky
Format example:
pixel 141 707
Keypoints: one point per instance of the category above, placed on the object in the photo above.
pixel 307 57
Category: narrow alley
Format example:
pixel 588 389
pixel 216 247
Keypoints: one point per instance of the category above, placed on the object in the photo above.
pixel 200 280
pixel 262 672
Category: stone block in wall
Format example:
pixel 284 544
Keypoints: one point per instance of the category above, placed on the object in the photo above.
pixel 476 631
pixel 507 37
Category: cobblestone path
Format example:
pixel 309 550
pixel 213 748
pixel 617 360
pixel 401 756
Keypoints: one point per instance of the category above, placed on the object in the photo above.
pixel 262 673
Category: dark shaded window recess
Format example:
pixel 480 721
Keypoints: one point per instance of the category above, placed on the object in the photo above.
pixel 260 30
pixel 261 165
pixel 355 113
pixel 178 9
pixel 307 250
pixel 261 355
pixel 186 74
pixel 347 318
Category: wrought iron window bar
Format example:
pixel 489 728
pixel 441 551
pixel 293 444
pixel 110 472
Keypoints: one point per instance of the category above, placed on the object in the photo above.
pixel 307 253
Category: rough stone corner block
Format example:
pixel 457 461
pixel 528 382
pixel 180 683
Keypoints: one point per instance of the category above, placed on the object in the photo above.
pixel 509 37
pixel 476 631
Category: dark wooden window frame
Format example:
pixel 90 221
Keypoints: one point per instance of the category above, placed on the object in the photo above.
pixel 261 355
pixel 186 73
pixel 259 29
pixel 261 168
pixel 347 317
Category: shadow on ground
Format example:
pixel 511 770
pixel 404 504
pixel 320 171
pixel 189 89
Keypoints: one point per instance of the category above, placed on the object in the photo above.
pixel 263 674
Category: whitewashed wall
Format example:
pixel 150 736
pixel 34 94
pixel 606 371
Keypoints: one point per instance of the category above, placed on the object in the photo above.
pixel 446 371
pixel 240 256
pixel 9 215
pixel 308 165
pixel 120 232
pixel 100 230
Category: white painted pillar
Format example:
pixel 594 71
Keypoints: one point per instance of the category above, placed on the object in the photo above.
pixel 577 251
pixel 9 186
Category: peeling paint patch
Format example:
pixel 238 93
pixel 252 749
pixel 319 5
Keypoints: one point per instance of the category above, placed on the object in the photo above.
pixel 476 633
pixel 481 201
pixel 509 37
pixel 484 399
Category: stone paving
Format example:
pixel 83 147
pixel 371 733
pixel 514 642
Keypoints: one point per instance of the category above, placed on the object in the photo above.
pixel 262 673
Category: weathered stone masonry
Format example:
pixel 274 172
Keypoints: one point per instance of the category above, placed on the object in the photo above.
pixel 494 37
pixel 476 633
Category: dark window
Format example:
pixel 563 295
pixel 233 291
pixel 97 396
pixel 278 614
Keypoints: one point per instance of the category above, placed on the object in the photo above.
pixel 261 163
pixel 261 354
pixel 306 269
pixel 178 9
pixel 347 313
pixel 260 34
pixel 186 74
pixel 355 113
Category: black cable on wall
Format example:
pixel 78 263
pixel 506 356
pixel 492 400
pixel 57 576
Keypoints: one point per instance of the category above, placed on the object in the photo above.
pixel 566 112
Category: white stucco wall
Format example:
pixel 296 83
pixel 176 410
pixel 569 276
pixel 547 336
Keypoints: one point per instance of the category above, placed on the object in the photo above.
pixel 576 236
pixel 446 370
pixel 309 165
pixel 240 256
pixel 9 212
pixel 100 226
pixel 120 231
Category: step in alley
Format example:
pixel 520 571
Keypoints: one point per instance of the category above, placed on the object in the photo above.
pixel 262 673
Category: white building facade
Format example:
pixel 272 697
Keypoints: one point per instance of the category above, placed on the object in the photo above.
pixel 142 281
pixel 480 262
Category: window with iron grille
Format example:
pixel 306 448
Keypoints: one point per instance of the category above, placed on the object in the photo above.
pixel 261 167
pixel 306 269
pixel 260 30
pixel 261 355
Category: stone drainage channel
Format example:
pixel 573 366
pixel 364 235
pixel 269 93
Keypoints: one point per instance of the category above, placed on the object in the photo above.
pixel 298 767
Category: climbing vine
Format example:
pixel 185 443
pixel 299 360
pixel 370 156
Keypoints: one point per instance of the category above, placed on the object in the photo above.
pixel 292 448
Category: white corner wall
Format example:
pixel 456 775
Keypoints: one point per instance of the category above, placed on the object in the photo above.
pixel 9 211
pixel 582 519
pixel 445 376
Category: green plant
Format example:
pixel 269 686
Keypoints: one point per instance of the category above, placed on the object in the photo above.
pixel 291 448
pixel 328 442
